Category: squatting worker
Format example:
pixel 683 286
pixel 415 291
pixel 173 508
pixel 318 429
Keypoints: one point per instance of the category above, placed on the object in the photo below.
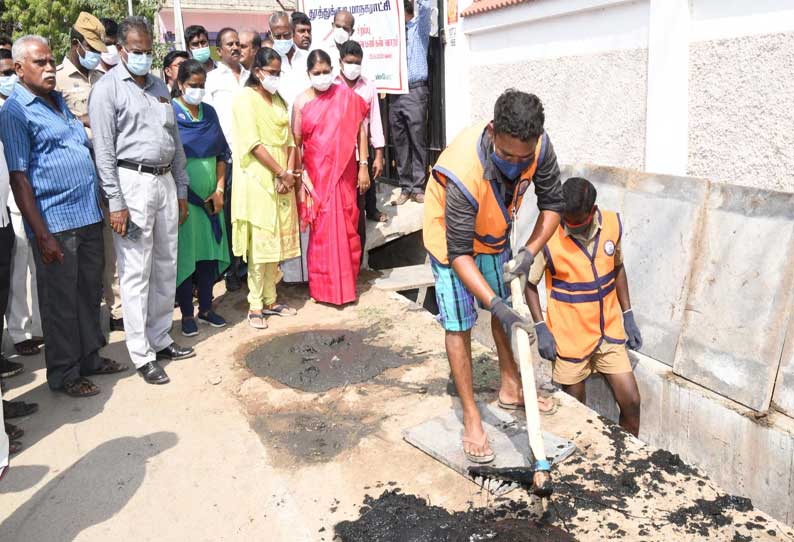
pixel 478 185
pixel 589 321
pixel 141 164
pixel 55 187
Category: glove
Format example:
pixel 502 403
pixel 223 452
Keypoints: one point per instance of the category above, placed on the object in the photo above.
pixel 633 336
pixel 518 267
pixel 510 321
pixel 546 345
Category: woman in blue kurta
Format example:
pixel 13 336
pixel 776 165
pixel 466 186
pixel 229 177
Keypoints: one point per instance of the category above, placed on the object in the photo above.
pixel 203 250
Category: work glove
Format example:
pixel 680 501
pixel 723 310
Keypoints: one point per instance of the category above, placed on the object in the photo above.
pixel 633 336
pixel 546 345
pixel 518 267
pixel 511 321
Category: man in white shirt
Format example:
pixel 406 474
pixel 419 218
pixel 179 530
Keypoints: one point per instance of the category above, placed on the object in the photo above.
pixel 222 85
pixel 343 27
pixel 294 79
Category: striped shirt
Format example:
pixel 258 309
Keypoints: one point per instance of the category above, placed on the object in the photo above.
pixel 52 149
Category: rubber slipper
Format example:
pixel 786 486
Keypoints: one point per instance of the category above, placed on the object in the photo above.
pixel 27 348
pixel 479 459
pixel 520 406
pixel 280 310
pixel 252 320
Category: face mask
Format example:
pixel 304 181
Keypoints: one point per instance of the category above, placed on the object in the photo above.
pixel 139 63
pixel 270 83
pixel 283 46
pixel 511 170
pixel 351 71
pixel 202 54
pixel 7 83
pixel 90 60
pixel 340 35
pixel 584 227
pixel 193 96
pixel 111 58
pixel 322 82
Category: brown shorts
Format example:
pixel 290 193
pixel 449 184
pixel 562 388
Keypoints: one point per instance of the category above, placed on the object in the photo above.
pixel 608 359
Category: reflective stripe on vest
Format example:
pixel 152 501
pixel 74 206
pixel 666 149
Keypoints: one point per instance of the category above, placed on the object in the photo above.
pixel 583 309
pixel 462 163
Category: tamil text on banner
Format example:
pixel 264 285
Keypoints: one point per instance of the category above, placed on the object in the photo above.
pixel 379 28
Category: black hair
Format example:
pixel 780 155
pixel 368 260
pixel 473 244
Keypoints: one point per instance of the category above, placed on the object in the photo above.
pixel 409 7
pixel 187 69
pixel 267 36
pixel 111 27
pixel 318 56
pixel 5 54
pixel 351 47
pixel 221 32
pixel 170 57
pixel 194 30
pixel 263 58
pixel 518 114
pixel 5 40
pixel 300 18
pixel 579 195
pixel 136 23
pixel 75 35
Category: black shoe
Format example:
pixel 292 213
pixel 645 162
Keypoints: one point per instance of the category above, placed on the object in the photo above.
pixel 233 282
pixel 18 409
pixel 10 368
pixel 117 324
pixel 152 373
pixel 174 352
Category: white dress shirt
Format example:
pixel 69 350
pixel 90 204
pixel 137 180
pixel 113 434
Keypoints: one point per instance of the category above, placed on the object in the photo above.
pixel 5 188
pixel 294 79
pixel 220 88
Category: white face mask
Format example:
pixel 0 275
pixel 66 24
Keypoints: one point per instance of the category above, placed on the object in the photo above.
pixel 351 71
pixel 270 83
pixel 193 96
pixel 322 82
pixel 111 58
pixel 340 35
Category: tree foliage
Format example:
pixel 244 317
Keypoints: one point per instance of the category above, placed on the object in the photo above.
pixel 53 18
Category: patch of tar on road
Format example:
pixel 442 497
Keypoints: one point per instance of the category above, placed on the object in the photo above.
pixel 320 360
pixel 398 517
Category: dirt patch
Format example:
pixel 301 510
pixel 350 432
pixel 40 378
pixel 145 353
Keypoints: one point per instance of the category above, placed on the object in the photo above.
pixel 317 361
pixel 313 434
pixel 397 517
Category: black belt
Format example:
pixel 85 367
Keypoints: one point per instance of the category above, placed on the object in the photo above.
pixel 140 168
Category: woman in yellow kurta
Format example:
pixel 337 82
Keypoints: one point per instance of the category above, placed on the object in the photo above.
pixel 264 212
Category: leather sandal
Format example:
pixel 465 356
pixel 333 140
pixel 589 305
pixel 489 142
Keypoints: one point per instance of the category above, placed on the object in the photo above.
pixel 27 348
pixel 80 387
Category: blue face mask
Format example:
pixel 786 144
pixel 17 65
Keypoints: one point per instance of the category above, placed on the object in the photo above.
pixel 138 63
pixel 7 83
pixel 511 170
pixel 283 46
pixel 202 54
pixel 90 60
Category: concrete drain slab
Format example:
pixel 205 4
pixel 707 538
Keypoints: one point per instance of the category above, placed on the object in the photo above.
pixel 440 438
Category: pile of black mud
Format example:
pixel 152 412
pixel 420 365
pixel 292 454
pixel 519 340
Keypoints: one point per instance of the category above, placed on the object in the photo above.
pixel 397 517
pixel 317 361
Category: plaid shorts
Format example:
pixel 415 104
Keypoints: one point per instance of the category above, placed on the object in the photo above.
pixel 456 310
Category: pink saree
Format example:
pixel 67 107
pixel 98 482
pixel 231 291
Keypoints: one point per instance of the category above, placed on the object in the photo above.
pixel 329 124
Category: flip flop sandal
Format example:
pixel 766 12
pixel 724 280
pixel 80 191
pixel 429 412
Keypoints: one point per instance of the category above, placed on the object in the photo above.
pixel 378 217
pixel 280 310
pixel 80 387
pixel 110 367
pixel 27 348
pixel 520 406
pixel 479 459
pixel 252 320
pixel 14 432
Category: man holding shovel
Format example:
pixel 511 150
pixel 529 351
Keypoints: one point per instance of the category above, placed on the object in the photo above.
pixel 589 321
pixel 471 202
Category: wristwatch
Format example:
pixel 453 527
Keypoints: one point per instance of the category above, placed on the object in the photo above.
pixel 363 163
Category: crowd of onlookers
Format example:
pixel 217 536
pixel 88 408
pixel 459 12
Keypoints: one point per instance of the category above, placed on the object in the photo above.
pixel 254 165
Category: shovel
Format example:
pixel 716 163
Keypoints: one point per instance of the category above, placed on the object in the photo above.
pixel 537 479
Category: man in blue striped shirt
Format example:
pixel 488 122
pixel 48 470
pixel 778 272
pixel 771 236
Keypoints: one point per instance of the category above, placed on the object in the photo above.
pixel 408 112
pixel 55 186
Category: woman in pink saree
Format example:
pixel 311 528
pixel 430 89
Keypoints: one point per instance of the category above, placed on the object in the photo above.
pixel 327 124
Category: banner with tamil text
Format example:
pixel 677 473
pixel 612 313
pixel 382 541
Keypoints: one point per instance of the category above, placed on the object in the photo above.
pixel 379 28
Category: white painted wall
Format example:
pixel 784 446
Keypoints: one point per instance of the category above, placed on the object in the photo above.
pixel 698 87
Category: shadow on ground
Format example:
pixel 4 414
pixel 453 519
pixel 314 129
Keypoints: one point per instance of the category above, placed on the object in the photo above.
pixel 105 479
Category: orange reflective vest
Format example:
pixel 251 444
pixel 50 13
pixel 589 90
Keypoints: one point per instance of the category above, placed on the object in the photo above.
pixel 463 163
pixel 583 309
